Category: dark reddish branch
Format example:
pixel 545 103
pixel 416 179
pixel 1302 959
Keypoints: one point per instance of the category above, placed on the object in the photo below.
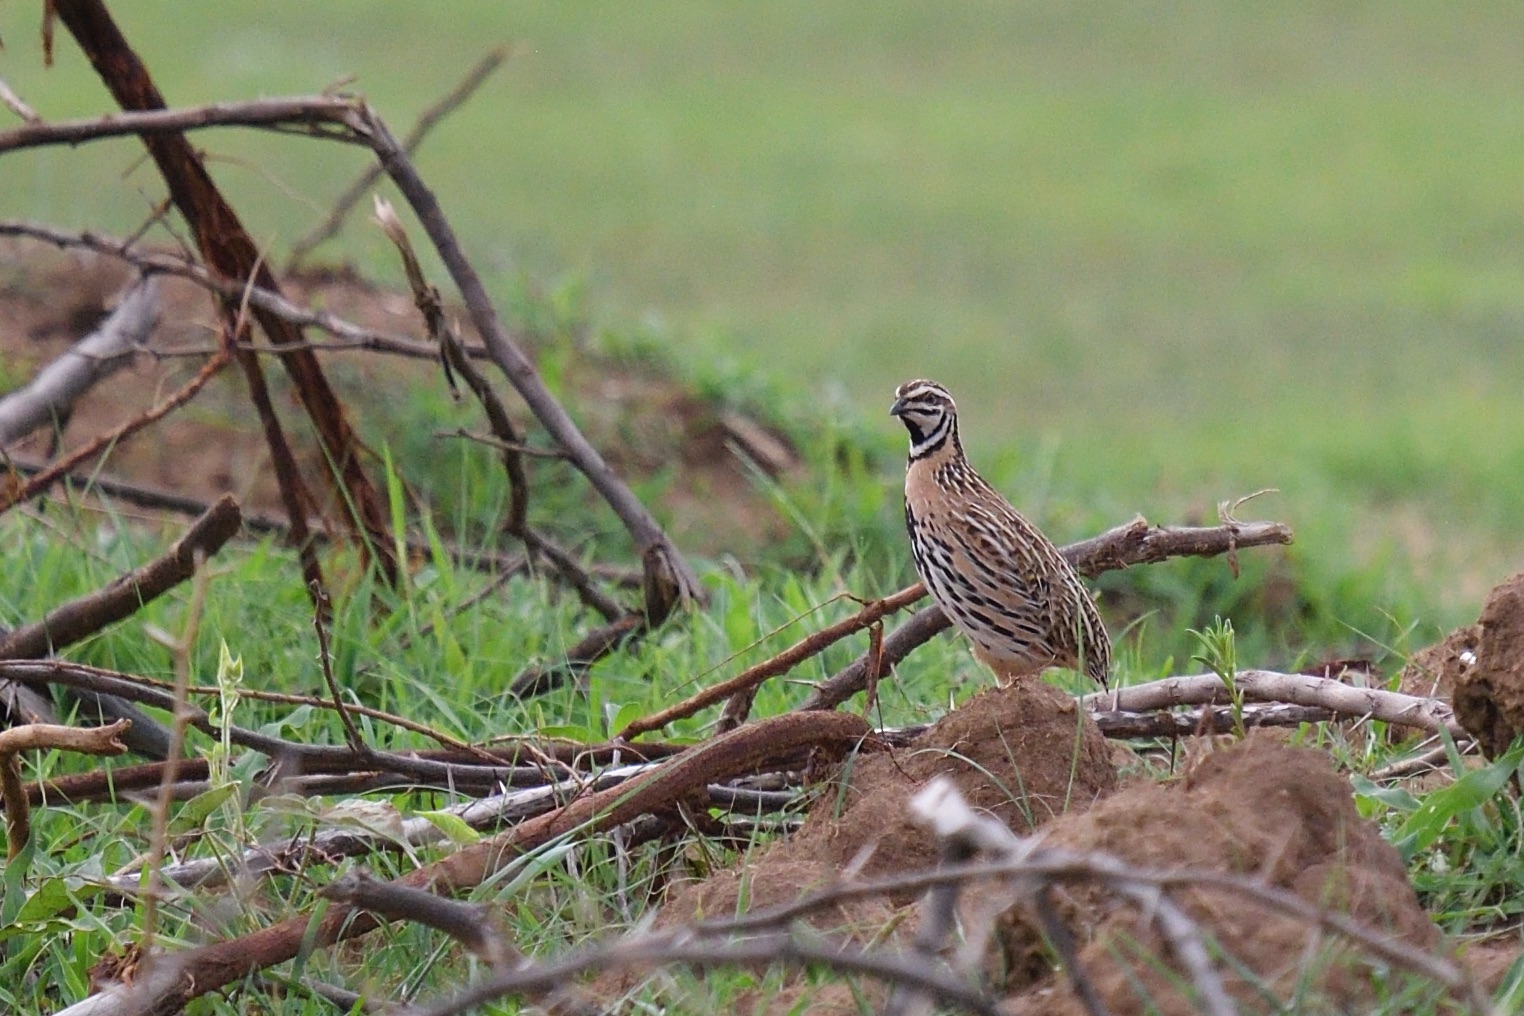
pixel 229 251
pixel 126 594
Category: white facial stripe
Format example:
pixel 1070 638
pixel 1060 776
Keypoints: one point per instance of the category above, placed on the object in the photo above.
pixel 934 437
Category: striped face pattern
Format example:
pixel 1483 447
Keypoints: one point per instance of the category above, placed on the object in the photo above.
pixel 994 574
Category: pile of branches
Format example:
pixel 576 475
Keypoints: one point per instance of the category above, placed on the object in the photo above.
pixel 525 791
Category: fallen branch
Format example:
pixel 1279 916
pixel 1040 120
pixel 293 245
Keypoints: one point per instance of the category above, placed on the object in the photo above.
pixel 1297 689
pixel 1137 542
pixel 290 756
pixel 1123 723
pixel 126 594
pixel 51 395
pixel 44 737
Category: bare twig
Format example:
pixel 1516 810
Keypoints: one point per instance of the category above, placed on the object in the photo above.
pixel 46 737
pixel 355 337
pixel 1137 542
pixel 785 661
pixel 329 227
pixel 1298 689
pixel 52 393
pixel 15 104
pixel 670 948
pixel 325 116
pixel 325 662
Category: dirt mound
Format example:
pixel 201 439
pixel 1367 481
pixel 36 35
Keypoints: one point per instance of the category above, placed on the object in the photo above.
pixel 1025 754
pixel 1260 808
pixel 645 422
pixel 1489 696
pixel 1434 670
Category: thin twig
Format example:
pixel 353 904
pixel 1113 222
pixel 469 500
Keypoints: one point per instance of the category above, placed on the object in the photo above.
pixel 320 618
pixel 329 227
pixel 158 841
pixel 355 336
pixel 785 661
pixel 14 103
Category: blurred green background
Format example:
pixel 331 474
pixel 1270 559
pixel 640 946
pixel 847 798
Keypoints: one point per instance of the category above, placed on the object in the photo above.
pixel 1163 254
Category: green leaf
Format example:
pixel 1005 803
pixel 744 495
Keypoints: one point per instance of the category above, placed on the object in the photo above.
pixel 195 812
pixel 453 826
pixel 1394 798
pixel 54 896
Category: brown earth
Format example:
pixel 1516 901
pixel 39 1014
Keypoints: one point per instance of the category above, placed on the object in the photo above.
pixel 647 424
pixel 1489 696
pixel 1479 668
pixel 1260 808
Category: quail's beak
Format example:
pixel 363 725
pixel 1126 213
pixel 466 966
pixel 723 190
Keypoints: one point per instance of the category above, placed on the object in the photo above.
pixel 898 409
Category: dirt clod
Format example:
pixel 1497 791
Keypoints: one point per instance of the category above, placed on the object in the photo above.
pixel 1282 815
pixel 1024 754
pixel 1489 696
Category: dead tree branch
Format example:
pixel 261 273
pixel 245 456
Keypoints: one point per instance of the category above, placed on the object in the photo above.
pixel 36 736
pixel 50 395
pixel 1297 689
pixel 355 337
pixel 427 120
pixel 229 251
pixel 1137 542
pixel 126 594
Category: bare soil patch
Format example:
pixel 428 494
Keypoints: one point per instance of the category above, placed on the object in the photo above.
pixel 648 424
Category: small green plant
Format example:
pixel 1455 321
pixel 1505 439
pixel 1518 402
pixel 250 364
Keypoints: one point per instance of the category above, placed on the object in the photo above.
pixel 1219 654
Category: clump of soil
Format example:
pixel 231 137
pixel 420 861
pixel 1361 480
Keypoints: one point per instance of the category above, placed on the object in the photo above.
pixel 1489 696
pixel 1025 754
pixel 646 423
pixel 1435 670
pixel 1262 809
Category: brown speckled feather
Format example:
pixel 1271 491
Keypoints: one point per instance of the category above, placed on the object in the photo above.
pixel 997 577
